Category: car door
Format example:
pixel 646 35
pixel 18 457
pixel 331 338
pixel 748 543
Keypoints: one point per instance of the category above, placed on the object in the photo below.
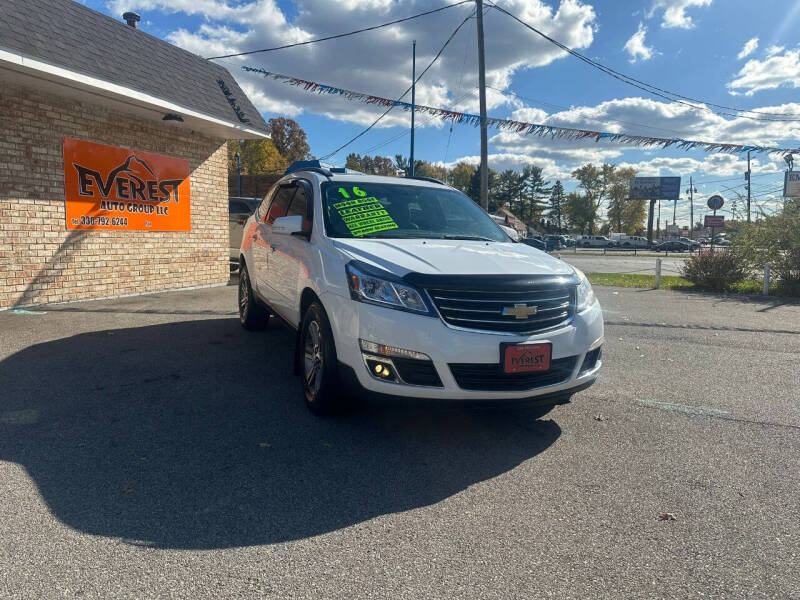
pixel 263 249
pixel 290 258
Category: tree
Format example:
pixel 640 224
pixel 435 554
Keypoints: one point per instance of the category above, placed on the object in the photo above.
pixel 624 215
pixel 536 190
pixel 474 190
pixel 579 212
pixel 594 183
pixel 556 211
pixel 371 165
pixel 289 139
pixel 258 157
pixel 460 176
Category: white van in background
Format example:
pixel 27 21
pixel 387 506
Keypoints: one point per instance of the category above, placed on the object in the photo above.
pixel 628 241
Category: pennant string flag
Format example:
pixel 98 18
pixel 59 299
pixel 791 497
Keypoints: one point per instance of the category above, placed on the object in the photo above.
pixel 520 126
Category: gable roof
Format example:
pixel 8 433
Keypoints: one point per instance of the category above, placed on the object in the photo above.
pixel 68 35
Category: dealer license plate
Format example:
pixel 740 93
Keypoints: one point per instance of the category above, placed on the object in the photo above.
pixel 525 358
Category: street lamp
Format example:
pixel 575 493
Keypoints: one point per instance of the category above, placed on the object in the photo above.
pixel 239 172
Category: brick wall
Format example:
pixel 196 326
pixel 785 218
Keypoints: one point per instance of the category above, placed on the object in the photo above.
pixel 41 261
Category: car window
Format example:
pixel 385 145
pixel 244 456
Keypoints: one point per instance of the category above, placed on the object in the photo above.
pixel 265 204
pixel 280 203
pixel 299 206
pixel 238 208
pixel 389 210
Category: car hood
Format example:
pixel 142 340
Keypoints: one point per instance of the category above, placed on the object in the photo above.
pixel 452 257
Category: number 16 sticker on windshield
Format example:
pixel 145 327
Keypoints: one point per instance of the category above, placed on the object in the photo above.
pixel 363 214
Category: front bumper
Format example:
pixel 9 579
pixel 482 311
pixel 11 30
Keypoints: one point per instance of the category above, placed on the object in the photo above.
pixel 351 321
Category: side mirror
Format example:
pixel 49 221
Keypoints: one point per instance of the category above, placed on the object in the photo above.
pixel 288 225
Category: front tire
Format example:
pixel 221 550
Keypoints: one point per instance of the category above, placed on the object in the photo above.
pixel 321 387
pixel 252 315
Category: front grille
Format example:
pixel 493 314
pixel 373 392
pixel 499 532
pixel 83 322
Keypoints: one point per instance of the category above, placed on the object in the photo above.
pixel 417 372
pixel 490 377
pixel 482 307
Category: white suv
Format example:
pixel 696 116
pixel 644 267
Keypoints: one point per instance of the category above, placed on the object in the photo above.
pixel 406 288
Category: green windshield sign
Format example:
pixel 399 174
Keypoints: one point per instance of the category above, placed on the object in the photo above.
pixel 363 214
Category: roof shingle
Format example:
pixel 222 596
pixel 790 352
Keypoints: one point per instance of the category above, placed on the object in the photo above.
pixel 72 36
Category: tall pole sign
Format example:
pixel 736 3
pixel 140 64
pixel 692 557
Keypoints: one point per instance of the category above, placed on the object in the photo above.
pixel 715 202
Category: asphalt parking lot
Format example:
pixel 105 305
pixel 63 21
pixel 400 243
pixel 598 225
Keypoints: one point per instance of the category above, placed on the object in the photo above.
pixel 150 447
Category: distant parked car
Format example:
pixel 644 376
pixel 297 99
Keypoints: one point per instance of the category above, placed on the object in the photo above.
pixel 239 210
pixel 721 242
pixel 593 241
pixel 553 242
pixel 535 243
pixel 567 241
pixel 693 244
pixel 672 246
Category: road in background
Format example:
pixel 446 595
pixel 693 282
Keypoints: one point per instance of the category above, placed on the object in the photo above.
pixel 150 447
pixel 611 263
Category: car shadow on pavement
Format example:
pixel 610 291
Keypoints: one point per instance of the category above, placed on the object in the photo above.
pixel 193 435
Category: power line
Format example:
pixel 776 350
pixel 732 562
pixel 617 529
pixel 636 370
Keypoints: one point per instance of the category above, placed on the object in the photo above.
pixel 388 110
pixel 341 35
pixel 647 87
pixel 732 178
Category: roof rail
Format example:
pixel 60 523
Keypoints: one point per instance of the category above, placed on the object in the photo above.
pixel 309 165
pixel 431 179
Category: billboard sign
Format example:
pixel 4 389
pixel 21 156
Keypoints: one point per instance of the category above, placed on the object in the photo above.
pixel 115 188
pixel 655 188
pixel 791 184
pixel 714 221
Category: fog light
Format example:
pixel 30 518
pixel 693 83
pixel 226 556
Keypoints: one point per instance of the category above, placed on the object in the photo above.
pixel 381 370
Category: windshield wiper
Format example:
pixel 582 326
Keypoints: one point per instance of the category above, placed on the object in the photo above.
pixel 476 238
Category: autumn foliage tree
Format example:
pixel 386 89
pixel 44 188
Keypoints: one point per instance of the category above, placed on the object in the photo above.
pixel 289 139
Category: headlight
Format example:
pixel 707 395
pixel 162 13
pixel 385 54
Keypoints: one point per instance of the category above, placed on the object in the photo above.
pixel 585 294
pixel 384 291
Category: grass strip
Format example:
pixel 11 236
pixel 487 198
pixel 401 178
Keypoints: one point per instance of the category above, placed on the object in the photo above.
pixel 637 280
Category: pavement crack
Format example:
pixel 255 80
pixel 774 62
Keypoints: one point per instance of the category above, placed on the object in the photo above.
pixel 706 411
pixel 702 327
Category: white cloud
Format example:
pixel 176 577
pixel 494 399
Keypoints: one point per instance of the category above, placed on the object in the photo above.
pixel 675 12
pixel 749 47
pixel 641 116
pixel 377 62
pixel 780 68
pixel 636 47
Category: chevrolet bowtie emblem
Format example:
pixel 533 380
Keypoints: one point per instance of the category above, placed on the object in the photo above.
pixel 520 311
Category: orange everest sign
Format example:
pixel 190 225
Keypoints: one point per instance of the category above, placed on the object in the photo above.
pixel 115 188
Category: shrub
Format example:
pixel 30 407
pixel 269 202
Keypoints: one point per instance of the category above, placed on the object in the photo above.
pixel 715 270
pixel 775 240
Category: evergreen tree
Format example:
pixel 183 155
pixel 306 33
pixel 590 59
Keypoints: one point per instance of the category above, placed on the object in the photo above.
pixel 556 210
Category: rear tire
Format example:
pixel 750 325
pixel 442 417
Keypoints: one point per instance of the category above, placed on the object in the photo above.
pixel 321 386
pixel 252 315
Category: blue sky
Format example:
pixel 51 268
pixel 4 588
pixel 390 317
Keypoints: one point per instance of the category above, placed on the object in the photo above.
pixel 737 53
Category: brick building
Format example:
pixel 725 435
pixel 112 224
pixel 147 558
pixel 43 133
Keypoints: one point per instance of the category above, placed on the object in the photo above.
pixel 113 161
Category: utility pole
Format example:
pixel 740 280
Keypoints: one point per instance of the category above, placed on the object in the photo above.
pixel 482 98
pixel 691 208
pixel 747 177
pixel 413 100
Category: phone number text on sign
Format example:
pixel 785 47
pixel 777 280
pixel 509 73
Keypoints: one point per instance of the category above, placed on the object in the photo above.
pixel 116 188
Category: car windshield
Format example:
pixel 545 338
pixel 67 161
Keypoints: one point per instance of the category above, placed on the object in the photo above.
pixel 391 211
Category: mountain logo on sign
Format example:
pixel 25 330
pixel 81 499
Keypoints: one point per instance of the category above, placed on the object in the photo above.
pixel 132 180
